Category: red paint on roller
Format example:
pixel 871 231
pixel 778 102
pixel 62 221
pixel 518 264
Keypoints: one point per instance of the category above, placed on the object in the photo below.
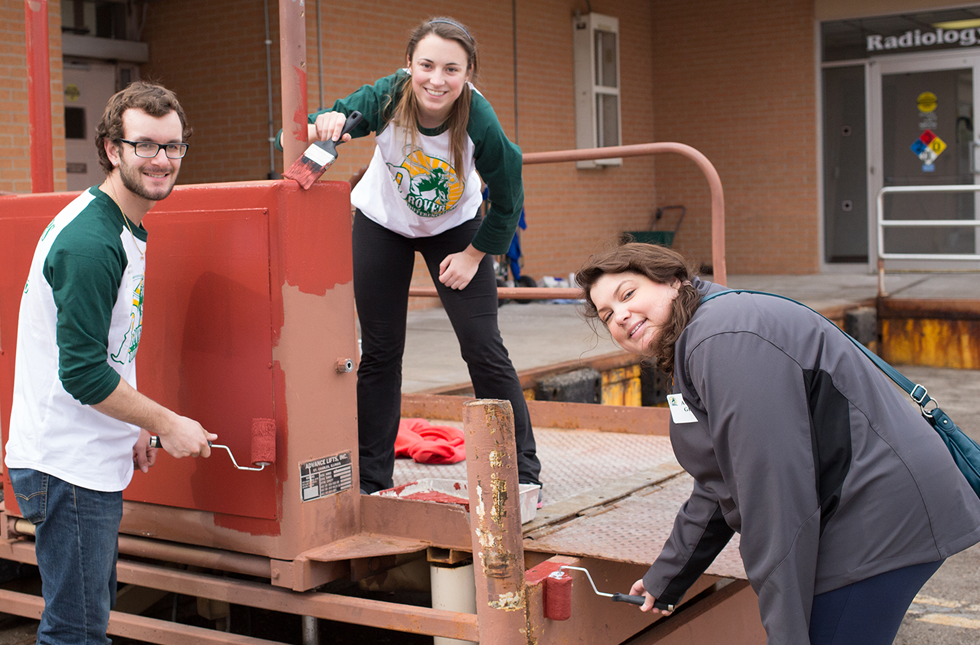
pixel 558 596
pixel 263 441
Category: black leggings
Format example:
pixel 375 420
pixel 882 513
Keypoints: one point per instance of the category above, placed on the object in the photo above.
pixel 868 612
pixel 383 263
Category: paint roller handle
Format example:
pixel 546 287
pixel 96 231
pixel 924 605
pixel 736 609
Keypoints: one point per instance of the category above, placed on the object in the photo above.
pixel 156 442
pixel 633 600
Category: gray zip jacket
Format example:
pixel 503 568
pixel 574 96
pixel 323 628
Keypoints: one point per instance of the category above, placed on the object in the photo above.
pixel 803 446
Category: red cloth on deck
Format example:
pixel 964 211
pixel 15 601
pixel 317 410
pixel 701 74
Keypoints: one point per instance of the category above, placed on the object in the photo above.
pixel 429 444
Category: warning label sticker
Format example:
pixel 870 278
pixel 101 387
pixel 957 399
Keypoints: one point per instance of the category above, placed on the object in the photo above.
pixel 325 476
pixel 928 147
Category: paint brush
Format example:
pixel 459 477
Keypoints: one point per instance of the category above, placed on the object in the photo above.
pixel 319 156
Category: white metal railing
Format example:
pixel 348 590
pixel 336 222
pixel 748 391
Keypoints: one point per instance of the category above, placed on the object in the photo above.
pixel 909 223
pixel 898 223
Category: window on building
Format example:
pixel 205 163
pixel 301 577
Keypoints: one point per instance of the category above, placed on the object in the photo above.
pixel 597 79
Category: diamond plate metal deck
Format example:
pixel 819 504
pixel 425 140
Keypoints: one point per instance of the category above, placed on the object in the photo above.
pixel 599 496
pixel 632 529
pixel 573 462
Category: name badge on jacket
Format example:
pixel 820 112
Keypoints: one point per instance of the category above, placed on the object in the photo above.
pixel 679 411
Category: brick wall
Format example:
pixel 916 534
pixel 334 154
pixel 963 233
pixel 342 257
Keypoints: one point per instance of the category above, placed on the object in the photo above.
pixel 213 55
pixel 15 140
pixel 736 80
pixel 572 213
pixel 218 70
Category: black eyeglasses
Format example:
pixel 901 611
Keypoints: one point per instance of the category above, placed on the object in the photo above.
pixel 149 149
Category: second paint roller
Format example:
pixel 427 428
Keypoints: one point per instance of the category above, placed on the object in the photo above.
pixel 263 448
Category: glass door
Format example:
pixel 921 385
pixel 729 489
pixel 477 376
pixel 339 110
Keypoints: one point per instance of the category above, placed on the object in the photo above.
pixel 922 134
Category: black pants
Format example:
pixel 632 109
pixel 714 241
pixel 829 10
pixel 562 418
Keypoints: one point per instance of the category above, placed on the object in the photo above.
pixel 868 612
pixel 383 263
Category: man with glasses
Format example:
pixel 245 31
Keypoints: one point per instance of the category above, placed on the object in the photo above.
pixel 77 423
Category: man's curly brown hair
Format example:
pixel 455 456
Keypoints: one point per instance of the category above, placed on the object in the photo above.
pixel 155 100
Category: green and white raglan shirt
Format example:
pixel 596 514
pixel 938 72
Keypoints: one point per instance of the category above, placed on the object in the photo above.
pixel 79 327
pixel 416 192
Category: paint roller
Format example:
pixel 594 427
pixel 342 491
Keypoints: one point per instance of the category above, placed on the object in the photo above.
pixel 616 597
pixel 263 449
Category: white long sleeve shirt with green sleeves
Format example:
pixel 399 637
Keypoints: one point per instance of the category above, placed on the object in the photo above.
pixel 78 331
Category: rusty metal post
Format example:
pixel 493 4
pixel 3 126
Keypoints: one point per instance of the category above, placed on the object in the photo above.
pixel 39 95
pixel 495 521
pixel 720 275
pixel 292 69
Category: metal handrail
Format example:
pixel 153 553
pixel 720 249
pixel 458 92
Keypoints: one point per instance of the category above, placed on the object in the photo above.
pixel 720 275
pixel 909 223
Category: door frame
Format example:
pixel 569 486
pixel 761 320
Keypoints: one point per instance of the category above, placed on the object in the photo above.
pixel 897 64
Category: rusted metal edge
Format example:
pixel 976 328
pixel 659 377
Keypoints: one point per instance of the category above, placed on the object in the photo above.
pixel 150 630
pixel 530 377
pixel 359 611
pixel 364 545
pixel 695 608
pixel 940 309
pixel 230 561
pixel 515 293
pixel 252 565
pixel 552 414
pixel 836 313
pixel 397 617
pixel 445 526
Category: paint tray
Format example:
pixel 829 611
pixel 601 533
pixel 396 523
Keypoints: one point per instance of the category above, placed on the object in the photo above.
pixel 451 491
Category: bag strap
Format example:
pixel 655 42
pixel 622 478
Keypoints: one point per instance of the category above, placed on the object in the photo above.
pixel 915 391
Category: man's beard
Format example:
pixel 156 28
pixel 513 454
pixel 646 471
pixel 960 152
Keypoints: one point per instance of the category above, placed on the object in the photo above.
pixel 132 179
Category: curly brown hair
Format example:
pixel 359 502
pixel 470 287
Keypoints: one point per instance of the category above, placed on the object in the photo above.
pixel 155 100
pixel 660 264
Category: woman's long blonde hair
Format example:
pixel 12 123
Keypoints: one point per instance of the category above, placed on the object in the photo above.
pixel 660 264
pixel 405 112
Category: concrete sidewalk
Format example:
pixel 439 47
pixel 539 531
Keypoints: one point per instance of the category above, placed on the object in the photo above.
pixel 538 334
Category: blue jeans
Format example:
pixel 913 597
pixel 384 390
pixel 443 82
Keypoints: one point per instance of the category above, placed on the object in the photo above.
pixel 77 543
pixel 868 612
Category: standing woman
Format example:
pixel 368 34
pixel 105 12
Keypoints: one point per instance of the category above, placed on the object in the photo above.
pixel 436 138
pixel 846 500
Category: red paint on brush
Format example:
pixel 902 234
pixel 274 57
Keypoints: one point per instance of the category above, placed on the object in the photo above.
pixel 263 441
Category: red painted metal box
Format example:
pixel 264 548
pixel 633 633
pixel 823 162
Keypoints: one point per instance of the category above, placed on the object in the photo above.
pixel 248 309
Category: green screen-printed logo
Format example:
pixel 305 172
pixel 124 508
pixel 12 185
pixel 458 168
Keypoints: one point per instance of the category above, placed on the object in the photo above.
pixel 131 340
pixel 47 230
pixel 429 186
